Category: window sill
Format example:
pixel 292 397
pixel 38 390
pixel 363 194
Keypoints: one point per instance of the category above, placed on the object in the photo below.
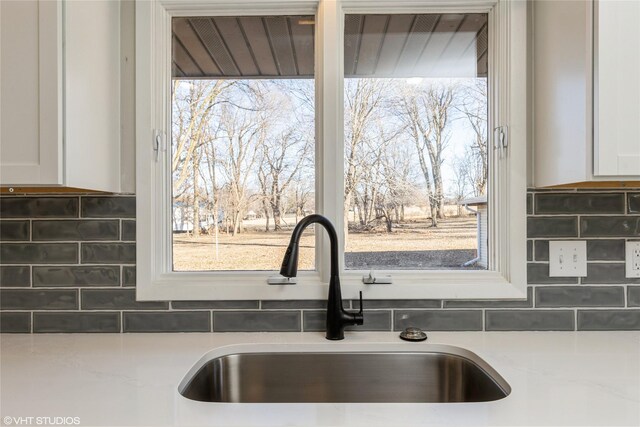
pixel 199 286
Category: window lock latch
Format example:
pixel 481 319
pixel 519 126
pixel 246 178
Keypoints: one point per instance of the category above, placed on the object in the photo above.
pixel 282 280
pixel 159 143
pixel 501 140
pixel 372 279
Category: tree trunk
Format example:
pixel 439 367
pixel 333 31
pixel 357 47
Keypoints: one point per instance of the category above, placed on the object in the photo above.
pixel 389 222
pixel 196 198
pixel 265 208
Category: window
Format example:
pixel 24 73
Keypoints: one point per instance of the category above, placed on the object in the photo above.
pixel 242 141
pixel 402 122
pixel 416 159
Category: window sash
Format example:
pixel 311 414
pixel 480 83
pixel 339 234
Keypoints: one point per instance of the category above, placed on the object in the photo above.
pixel 507 184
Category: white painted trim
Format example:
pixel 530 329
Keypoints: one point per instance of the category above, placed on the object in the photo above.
pixel 239 7
pixel 508 184
pixel 51 63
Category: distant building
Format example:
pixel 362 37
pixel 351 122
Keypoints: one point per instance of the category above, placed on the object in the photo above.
pixel 481 211
pixel 182 218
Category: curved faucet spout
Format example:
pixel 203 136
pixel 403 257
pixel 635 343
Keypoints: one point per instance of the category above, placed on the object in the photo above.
pixel 289 266
pixel 337 316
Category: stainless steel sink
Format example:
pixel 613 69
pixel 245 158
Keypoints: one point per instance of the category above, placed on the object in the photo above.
pixel 451 375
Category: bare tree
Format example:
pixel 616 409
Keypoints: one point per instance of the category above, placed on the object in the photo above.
pixel 362 99
pixel 194 103
pixel 284 155
pixel 474 108
pixel 243 134
pixel 426 113
pixel 459 183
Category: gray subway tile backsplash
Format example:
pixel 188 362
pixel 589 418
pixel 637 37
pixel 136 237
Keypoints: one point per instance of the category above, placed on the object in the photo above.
pixel 14 230
pixel 72 276
pixel 579 296
pixel 605 250
pixel 108 253
pixel 375 320
pixel 68 263
pixel 541 250
pixel 38 253
pixel 579 203
pixel 609 273
pixel 538 274
pixel 608 320
pixel 167 321
pixel 633 296
pixel 76 322
pixel 438 320
pixel 11 322
pixel 108 207
pixel 633 203
pixel 17 276
pixel 38 299
pixel 117 299
pixel 610 226
pixel 128 276
pixel 550 226
pixel 529 320
pixel 128 230
pixel 39 207
pixel 76 230
pixel 256 321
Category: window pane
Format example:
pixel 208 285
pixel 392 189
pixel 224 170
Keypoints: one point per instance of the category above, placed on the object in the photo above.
pixel 416 161
pixel 243 140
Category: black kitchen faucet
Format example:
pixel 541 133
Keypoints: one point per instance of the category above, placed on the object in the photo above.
pixel 337 316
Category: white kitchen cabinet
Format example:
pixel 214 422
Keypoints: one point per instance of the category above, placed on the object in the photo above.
pixel 586 92
pixel 61 95
pixel 617 88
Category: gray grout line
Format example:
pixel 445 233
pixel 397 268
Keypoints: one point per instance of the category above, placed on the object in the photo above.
pixel 579 227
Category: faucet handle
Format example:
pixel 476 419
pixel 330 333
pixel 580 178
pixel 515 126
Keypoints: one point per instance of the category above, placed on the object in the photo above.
pixel 359 316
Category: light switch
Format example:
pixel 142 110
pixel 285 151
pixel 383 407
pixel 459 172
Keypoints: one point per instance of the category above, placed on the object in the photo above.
pixel 568 258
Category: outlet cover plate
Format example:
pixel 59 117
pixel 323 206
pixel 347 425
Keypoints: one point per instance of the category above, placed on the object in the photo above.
pixel 568 258
pixel 632 257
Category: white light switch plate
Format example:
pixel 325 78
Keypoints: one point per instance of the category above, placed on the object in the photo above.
pixel 568 258
pixel 632 257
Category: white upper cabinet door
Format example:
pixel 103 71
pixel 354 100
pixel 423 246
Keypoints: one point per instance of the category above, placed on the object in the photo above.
pixel 92 94
pixel 617 88
pixel 562 92
pixel 61 94
pixel 30 93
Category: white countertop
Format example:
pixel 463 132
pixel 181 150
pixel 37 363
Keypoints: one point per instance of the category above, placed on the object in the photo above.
pixel 557 378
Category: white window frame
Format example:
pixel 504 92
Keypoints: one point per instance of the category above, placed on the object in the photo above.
pixel 507 183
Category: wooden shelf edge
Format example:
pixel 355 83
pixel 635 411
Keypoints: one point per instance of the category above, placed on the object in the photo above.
pixel 19 190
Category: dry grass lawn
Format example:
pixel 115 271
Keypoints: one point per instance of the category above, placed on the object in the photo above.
pixel 410 245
